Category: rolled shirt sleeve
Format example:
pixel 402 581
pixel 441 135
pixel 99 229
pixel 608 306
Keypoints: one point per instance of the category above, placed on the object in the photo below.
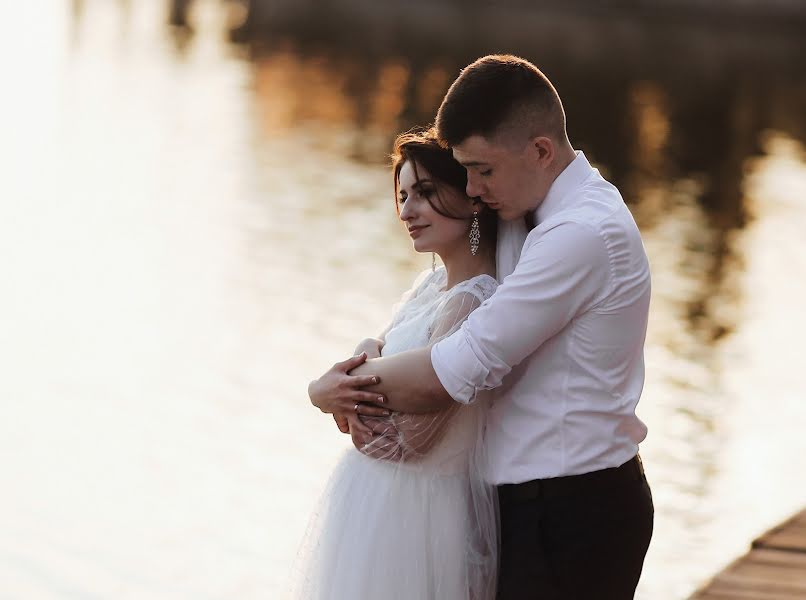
pixel 458 368
pixel 564 270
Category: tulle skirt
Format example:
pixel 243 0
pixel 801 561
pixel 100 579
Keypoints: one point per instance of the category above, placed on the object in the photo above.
pixel 398 532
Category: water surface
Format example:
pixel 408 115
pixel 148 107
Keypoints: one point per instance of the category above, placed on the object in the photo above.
pixel 192 230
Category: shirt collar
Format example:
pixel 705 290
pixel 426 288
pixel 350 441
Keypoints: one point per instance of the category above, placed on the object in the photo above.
pixel 575 173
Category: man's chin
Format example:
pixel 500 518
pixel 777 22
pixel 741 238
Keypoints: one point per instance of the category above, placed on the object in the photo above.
pixel 509 214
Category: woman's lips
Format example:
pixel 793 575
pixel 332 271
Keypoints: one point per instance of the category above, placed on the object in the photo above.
pixel 415 231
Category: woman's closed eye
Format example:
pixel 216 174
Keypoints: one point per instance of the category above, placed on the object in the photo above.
pixel 486 172
pixel 421 192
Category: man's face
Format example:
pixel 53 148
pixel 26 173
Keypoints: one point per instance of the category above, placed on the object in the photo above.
pixel 506 177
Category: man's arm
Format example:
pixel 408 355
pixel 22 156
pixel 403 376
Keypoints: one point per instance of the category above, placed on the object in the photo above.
pixel 352 387
pixel 407 382
pixel 560 275
pixel 339 393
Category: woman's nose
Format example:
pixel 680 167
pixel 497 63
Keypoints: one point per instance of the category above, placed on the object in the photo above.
pixel 407 212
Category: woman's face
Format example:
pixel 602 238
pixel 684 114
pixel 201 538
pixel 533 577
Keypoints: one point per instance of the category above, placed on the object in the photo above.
pixel 429 230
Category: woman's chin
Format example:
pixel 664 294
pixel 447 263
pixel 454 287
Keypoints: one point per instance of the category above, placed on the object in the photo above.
pixel 421 247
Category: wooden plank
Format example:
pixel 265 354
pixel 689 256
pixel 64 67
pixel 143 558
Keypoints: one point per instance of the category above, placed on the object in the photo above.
pixel 743 594
pixel 782 579
pixel 773 569
pixel 789 535
pixel 788 583
pixel 740 594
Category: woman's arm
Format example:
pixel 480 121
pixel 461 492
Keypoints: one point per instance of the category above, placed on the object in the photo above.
pixel 404 437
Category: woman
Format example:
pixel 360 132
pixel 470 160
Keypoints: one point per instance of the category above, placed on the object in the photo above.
pixel 409 515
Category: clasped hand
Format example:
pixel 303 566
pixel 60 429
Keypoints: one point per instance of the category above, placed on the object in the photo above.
pixel 343 395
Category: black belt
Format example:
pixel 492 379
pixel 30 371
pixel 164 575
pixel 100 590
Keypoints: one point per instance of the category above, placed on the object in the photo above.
pixel 632 470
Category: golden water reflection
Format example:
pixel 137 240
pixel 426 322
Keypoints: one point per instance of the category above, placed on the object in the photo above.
pixel 192 230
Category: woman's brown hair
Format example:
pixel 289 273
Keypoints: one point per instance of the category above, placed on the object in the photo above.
pixel 421 147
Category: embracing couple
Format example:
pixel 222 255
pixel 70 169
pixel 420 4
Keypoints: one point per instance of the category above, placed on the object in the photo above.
pixel 495 417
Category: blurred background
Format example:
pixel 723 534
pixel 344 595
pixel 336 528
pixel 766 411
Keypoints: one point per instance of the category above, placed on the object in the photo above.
pixel 196 218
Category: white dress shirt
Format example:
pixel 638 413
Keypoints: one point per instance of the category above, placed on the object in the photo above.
pixel 562 338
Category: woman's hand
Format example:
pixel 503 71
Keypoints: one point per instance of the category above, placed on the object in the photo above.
pixel 371 347
pixel 339 393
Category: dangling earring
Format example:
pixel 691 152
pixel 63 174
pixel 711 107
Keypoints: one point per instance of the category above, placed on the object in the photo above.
pixel 433 262
pixel 475 234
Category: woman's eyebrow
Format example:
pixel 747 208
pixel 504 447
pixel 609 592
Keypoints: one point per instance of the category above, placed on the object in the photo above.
pixel 421 182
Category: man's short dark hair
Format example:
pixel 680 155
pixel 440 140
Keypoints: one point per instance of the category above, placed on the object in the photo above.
pixel 499 95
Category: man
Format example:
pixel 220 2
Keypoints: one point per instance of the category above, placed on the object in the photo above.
pixel 564 334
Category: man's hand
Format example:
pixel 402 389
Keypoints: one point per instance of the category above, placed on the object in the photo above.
pixel 351 423
pixel 382 443
pixel 341 423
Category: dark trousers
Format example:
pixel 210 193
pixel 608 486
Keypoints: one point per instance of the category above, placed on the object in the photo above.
pixel 581 537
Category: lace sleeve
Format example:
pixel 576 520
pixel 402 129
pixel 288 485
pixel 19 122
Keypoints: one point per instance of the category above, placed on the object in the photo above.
pixel 451 314
pixel 409 437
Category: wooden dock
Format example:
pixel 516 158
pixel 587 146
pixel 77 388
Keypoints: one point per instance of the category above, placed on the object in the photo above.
pixel 773 569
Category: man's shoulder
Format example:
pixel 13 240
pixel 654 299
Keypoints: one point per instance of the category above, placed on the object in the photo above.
pixel 594 222
pixel 583 217
pixel 570 238
pixel 596 206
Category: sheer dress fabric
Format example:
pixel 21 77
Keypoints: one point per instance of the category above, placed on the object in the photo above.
pixel 410 517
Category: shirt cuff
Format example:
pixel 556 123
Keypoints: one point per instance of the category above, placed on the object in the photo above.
pixel 458 368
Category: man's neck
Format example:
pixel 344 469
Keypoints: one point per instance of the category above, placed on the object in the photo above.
pixel 560 164
pixel 564 158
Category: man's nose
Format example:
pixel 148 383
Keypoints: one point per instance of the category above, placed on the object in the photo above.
pixel 473 188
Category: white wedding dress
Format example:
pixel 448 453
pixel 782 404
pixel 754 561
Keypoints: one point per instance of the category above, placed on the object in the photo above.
pixel 418 522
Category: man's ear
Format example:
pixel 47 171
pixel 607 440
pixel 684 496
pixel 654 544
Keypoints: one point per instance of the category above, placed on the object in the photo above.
pixel 542 150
